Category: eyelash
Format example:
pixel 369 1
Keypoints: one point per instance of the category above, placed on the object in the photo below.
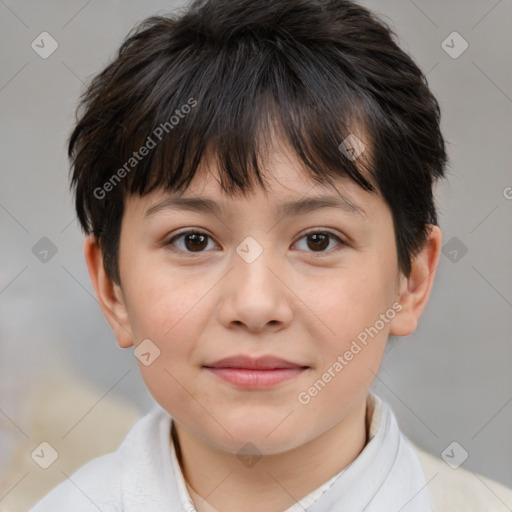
pixel 340 247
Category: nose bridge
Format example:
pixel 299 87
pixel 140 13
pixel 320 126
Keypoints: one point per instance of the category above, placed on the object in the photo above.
pixel 254 295
pixel 251 262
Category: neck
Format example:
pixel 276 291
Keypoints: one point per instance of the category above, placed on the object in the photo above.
pixel 275 482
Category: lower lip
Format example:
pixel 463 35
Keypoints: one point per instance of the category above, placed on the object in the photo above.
pixel 246 378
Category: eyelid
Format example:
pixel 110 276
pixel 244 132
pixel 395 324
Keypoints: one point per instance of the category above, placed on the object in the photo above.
pixel 322 230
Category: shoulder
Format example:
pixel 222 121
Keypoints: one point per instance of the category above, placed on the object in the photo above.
pixel 99 483
pixel 95 484
pixel 452 490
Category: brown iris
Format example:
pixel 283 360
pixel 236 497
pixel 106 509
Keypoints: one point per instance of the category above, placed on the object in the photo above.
pixel 195 241
pixel 320 241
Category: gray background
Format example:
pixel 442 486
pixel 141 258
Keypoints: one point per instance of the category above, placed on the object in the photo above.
pixel 449 381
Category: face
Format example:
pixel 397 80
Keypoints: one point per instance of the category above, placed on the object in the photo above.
pixel 316 287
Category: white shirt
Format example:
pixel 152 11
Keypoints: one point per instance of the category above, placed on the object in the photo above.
pixel 389 475
pixel 143 475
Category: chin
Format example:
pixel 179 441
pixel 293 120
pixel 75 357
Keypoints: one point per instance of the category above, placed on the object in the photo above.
pixel 264 439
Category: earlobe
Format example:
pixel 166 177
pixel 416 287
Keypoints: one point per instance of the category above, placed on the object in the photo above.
pixel 109 294
pixel 415 289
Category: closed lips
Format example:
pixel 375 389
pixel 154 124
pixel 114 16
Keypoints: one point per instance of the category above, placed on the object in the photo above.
pixel 250 363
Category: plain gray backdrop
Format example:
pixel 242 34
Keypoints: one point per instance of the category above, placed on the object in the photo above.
pixel 449 381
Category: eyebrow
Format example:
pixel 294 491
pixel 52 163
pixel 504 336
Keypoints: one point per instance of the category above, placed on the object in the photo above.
pixel 290 208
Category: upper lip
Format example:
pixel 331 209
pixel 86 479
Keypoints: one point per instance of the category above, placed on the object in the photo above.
pixel 254 363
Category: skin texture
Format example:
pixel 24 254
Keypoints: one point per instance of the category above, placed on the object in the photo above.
pixel 303 302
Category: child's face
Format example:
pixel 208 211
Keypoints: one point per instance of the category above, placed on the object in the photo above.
pixel 204 299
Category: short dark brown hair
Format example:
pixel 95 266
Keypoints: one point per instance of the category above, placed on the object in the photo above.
pixel 217 77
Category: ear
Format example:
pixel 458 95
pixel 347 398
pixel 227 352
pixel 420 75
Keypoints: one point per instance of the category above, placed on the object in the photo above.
pixel 109 294
pixel 415 289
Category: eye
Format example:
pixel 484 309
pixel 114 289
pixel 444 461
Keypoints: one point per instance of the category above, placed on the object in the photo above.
pixel 318 241
pixel 197 241
pixel 193 241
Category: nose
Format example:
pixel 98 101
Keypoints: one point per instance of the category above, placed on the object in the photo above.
pixel 254 295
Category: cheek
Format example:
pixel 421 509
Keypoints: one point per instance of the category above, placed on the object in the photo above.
pixel 171 309
pixel 173 322
pixel 164 302
pixel 351 300
pixel 356 311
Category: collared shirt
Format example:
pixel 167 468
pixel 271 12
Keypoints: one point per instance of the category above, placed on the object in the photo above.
pixel 142 476
pixel 389 475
